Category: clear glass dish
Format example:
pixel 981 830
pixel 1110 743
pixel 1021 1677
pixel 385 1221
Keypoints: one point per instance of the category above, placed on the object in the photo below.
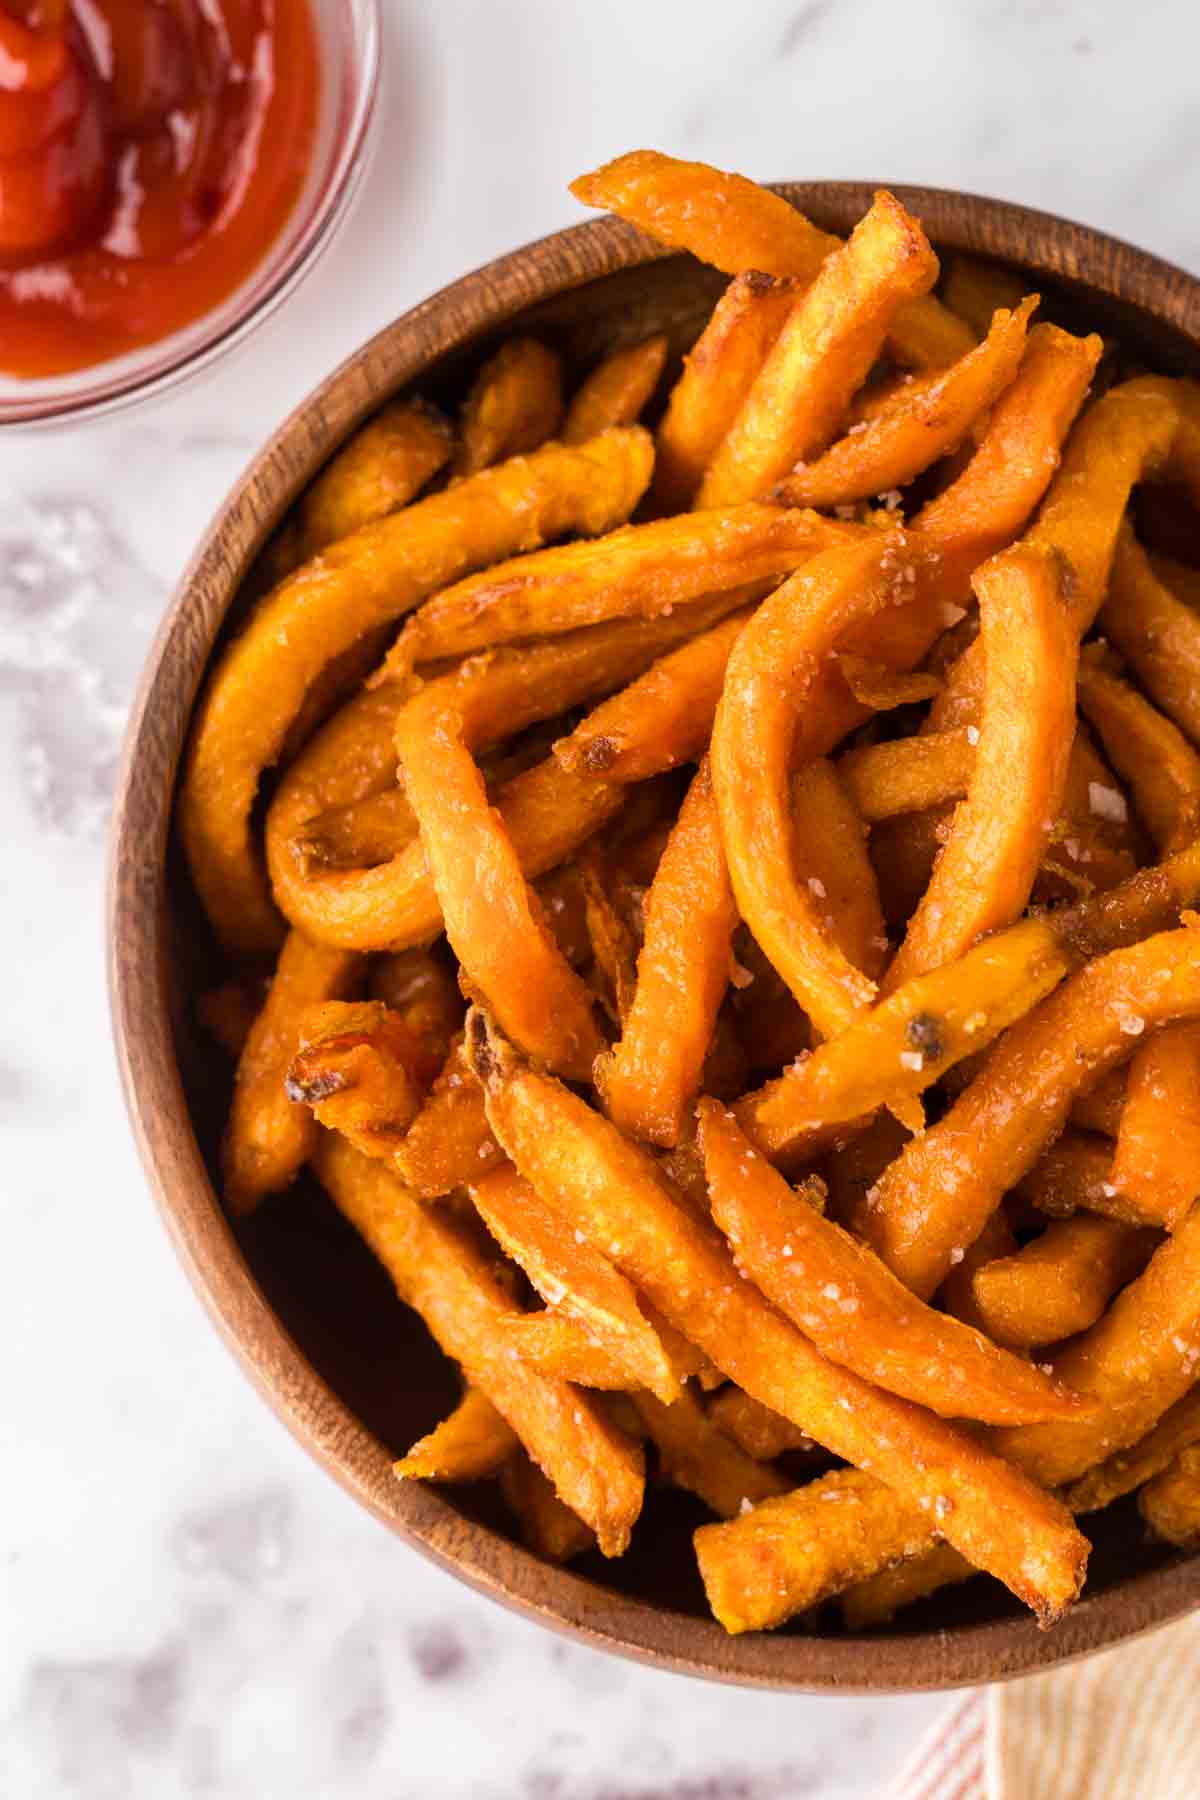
pixel 348 37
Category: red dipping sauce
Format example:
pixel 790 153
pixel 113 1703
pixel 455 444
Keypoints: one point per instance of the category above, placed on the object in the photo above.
pixel 150 151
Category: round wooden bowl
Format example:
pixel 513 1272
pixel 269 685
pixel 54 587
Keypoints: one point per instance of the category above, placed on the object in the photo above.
pixel 311 1318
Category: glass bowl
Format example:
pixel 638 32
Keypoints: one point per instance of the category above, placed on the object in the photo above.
pixel 348 43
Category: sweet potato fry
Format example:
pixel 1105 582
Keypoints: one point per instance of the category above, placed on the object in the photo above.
pixel 420 987
pixel 878 1598
pixel 1075 1175
pixel 958 1290
pixel 938 1194
pixel 925 421
pixel 1177 1430
pixel 365 582
pixel 382 467
pixel 1156 1165
pixel 736 225
pixel 558 1346
pixel 1100 1108
pixel 1157 633
pixel 613 1192
pixel 789 1554
pixel 1170 1503
pixel 1137 1361
pixel 548 1526
pixel 490 912
pixel 1120 439
pixel 852 1308
pixel 611 939
pixel 761 730
pixel 267 1138
pixel 914 1035
pixel 830 845
pixel 695 1454
pixel 822 355
pixel 974 289
pixel 642 571
pixel 717 375
pixel 445 1278
pixel 1061 1282
pixel 651 1076
pixel 361 1071
pixel 880 688
pixel 470 1444
pixel 855 1165
pixel 907 775
pixel 513 407
pixel 228 1013
pixel 573 1278
pixel 986 870
pixel 449 1144
pixel 1148 752
pixel 616 390
pixel 762 1434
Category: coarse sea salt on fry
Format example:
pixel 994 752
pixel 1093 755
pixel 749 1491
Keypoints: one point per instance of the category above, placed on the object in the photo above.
pixel 762 1434
pixel 822 355
pixel 614 1192
pixel 1177 1430
pixel 445 1278
pixel 366 581
pixel 842 1297
pixel 986 869
pixel 736 225
pixel 695 1454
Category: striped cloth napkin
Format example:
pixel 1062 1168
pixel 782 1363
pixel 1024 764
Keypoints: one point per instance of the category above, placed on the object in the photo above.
pixel 1120 1726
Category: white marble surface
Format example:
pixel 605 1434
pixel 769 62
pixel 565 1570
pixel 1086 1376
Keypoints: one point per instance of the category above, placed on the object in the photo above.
pixel 188 1605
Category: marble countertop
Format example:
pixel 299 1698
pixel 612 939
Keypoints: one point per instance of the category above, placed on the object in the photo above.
pixel 190 1607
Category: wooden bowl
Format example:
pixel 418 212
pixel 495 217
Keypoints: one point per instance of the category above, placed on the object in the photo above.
pixel 299 1300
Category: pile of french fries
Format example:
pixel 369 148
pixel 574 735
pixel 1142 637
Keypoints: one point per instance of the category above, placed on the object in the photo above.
pixel 727 890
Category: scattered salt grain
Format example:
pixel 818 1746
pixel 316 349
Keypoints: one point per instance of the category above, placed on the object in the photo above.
pixel 957 1254
pixel 912 1059
pixel 891 499
pixel 1132 1025
pixel 975 1022
pixel 816 886
pixel 1107 802
pixel 972 734
pixel 831 1291
pixel 951 614
pixel 745 1505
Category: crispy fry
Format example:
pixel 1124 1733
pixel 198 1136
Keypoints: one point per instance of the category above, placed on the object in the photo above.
pixel 762 1434
pixel 877 1599
pixel 419 986
pixel 574 1278
pixel 367 581
pixel 1156 1166
pixel 1170 1504
pixel 613 1192
pixel 1100 1108
pixel 652 1074
pixel 1177 1430
pixel 1157 633
pixel 880 688
pixel 822 355
pixel 449 1144
pixel 1075 1175
pixel 736 225
pixel 913 1036
pixel 717 375
pixel 762 728
pixel 470 1444
pixel 1120 439
pixel 489 910
pixel 958 1290
pixel 662 719
pixel 907 775
pixel 445 1278
pixel 854 1166
pixel 641 571
pixel 1148 752
pixel 925 420
pixel 695 1454
pixel 267 1138
pixel 830 845
pixel 790 1554
pixel 380 469
pixel 1061 1282
pixel 616 390
pixel 938 1194
pixel 1137 1361
pixel 513 407
pixel 974 289
pixel 986 870
pixel 549 1528
pixel 558 1346
pixel 610 937
pixel 851 1307
pixel 361 1071
pixel 228 1013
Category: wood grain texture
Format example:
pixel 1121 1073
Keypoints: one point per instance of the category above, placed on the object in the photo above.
pixel 295 1296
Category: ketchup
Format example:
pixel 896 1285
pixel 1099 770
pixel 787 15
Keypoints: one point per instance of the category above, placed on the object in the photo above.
pixel 150 151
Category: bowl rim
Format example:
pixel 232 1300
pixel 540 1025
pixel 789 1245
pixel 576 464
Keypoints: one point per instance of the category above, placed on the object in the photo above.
pixel 141 1001
pixel 185 352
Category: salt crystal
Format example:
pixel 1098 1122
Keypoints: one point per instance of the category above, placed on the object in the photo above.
pixel 1107 802
pixel 972 734
pixel 1132 1026
pixel 912 1059
pixel 957 1254
pixel 951 615
pixel 975 1022
pixel 745 1505
pixel 787 1249
pixel 831 1291
pixel 891 498
pixel 816 886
